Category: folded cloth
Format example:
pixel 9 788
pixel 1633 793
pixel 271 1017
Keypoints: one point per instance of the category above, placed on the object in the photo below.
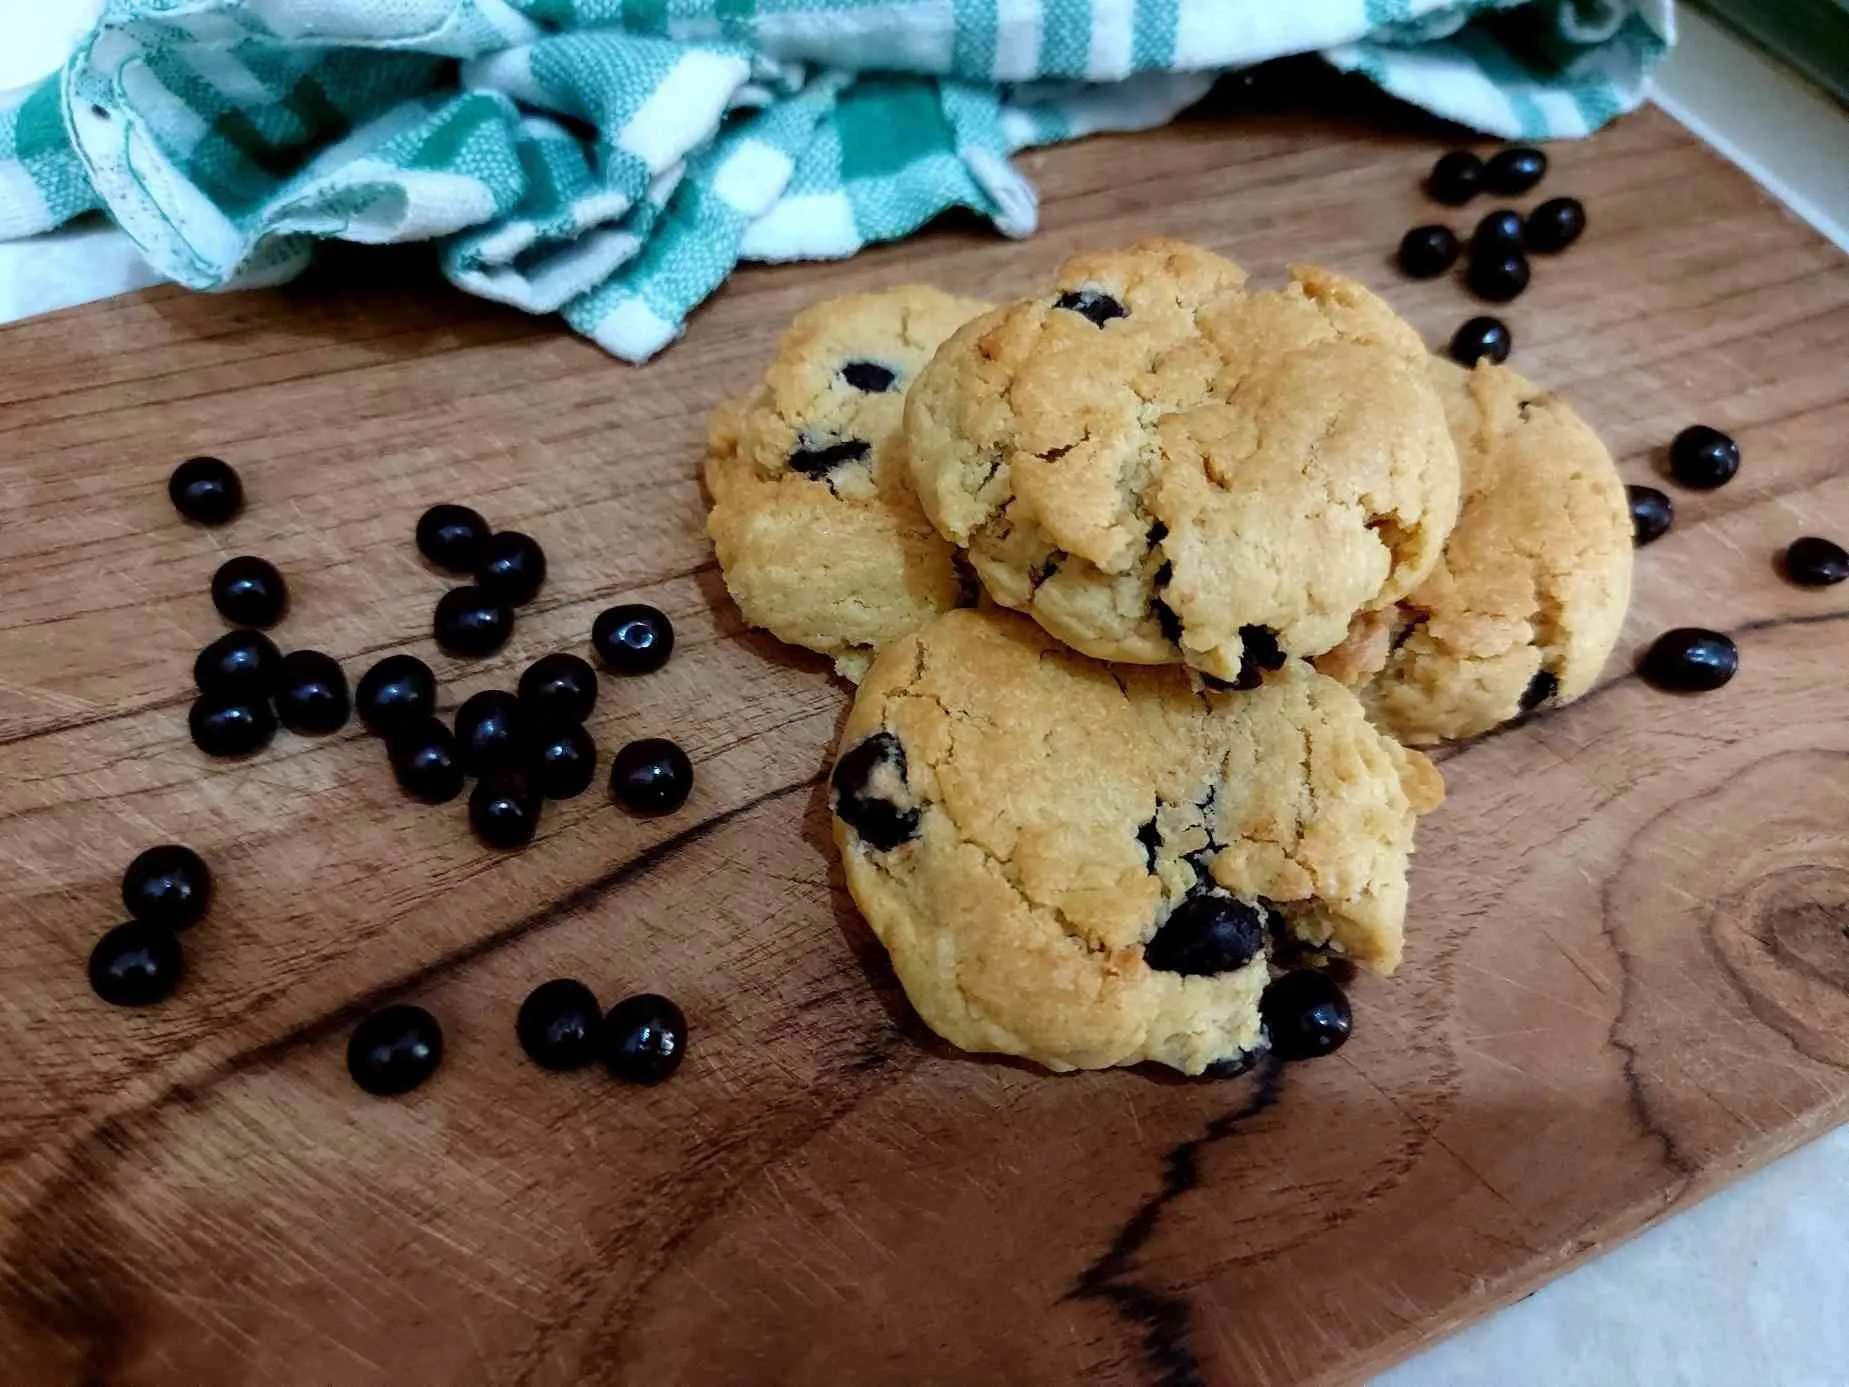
pixel 612 160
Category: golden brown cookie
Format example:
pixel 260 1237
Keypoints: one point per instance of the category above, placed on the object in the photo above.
pixel 813 517
pixel 1090 865
pixel 1161 465
pixel 1530 595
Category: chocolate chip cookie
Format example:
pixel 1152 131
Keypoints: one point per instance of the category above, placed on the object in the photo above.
pixel 1160 465
pixel 1529 597
pixel 818 533
pixel 1091 865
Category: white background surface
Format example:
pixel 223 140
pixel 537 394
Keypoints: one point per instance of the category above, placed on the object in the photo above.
pixel 1744 1290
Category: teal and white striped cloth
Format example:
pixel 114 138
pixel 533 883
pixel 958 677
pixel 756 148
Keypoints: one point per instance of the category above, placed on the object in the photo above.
pixel 612 160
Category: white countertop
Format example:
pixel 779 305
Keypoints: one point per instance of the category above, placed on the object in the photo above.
pixel 1743 1290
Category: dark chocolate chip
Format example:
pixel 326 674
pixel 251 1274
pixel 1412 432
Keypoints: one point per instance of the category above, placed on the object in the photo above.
pixel 1208 934
pixel 880 823
pixel 1815 562
pixel 1542 687
pixel 1046 568
pixel 1099 307
pixel 1151 839
pixel 819 462
pixel 869 376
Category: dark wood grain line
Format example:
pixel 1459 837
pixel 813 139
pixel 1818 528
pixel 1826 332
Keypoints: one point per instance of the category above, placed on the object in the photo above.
pixel 1162 1317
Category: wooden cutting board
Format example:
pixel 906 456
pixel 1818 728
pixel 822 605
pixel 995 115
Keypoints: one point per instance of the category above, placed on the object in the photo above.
pixel 1627 955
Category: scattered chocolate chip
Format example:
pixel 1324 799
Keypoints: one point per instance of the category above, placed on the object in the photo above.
pixel 1481 339
pixel 632 638
pixel 512 566
pixel 558 688
pixel 1651 514
pixel 398 691
pixel 1814 562
pixel 312 699
pixel 224 725
pixel 563 760
pixel 1497 233
pixel 651 776
pixel 1456 178
pixel 471 621
pixel 1690 659
pixel 1702 458
pixel 644 1039
pixel 559 1025
pixel 490 730
pixel 239 664
pixel 1555 225
pixel 136 964
pixel 206 491
pixel 425 761
pixel 1512 172
pixel 394 1050
pixel 1498 274
pixel 1305 1014
pixel 168 886
pixel 504 808
pixel 248 591
pixel 451 537
pixel 1428 251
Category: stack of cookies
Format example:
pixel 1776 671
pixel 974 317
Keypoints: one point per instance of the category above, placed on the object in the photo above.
pixel 1150 581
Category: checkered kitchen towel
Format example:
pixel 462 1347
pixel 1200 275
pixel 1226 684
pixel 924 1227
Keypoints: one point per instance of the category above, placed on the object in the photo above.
pixel 612 160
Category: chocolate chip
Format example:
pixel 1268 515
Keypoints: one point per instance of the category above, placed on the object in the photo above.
pixel 1157 533
pixel 1261 650
pixel 1151 839
pixel 1208 934
pixel 969 586
pixel 1046 568
pixel 869 376
pixel 819 462
pixel 1100 308
pixel 1542 687
pixel 1167 620
pixel 880 823
pixel 1815 562
pixel 1163 613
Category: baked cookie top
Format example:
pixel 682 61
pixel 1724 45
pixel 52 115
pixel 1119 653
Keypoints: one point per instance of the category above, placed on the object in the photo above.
pixel 818 533
pixel 1089 865
pixel 1528 599
pixel 1161 465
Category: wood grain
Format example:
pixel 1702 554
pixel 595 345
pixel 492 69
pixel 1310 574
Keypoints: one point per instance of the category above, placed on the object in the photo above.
pixel 1626 967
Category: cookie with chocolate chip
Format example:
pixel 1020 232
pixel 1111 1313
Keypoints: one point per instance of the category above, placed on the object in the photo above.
pixel 1162 465
pixel 1091 865
pixel 1528 600
pixel 818 532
